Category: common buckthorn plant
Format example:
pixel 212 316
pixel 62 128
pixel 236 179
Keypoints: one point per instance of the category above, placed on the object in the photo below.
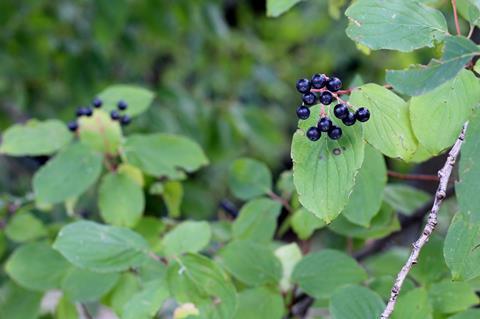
pixel 151 166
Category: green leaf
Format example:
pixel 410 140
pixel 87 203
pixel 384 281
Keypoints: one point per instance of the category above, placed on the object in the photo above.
pixel 276 8
pixel 101 248
pixel 138 99
pixel 164 155
pixel 189 236
pixel 151 228
pixel 469 170
pixel 421 79
pixel 172 195
pixel 128 285
pixel 66 309
pixel 36 266
pixel 387 263
pixel 23 226
pixel 289 255
pixel 18 303
pixel 413 305
pixel 469 10
pixel 249 178
pixel 405 199
pixel 70 173
pixel 35 138
pixel 355 302
pixel 81 285
pixel 100 132
pixel 146 303
pixel 337 268
pixel 324 172
pixel 461 249
pixel 468 314
pixel 389 129
pixel 259 303
pixel 121 200
pixel 257 220
pixel 367 194
pixel 395 24
pixel 383 224
pixel 251 263
pixel 437 117
pixel 197 279
pixel 450 297
pixel 305 223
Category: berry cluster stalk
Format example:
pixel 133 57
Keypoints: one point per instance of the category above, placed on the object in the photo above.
pixel 444 176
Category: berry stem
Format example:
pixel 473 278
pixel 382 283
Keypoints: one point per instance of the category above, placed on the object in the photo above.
pixel 322 111
pixel 455 15
pixel 281 200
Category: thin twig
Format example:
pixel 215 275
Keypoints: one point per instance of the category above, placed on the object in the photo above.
pixel 85 311
pixel 444 175
pixel 413 177
pixel 455 15
pixel 281 200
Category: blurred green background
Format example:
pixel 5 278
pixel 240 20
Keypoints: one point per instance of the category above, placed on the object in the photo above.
pixel 223 73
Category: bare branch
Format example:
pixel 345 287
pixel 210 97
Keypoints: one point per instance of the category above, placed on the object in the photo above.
pixel 444 175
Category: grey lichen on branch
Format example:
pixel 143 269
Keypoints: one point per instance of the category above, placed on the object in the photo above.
pixel 444 176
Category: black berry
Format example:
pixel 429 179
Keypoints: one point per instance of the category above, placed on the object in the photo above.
pixel 303 112
pixel 319 81
pixel 335 132
pixel 114 115
pixel 309 98
pixel 326 98
pixel 88 111
pixel 81 111
pixel 340 111
pixel 349 119
pixel 97 103
pixel 324 124
pixel 313 133
pixel 362 114
pixel 72 126
pixel 125 119
pixel 122 105
pixel 334 84
pixel 303 85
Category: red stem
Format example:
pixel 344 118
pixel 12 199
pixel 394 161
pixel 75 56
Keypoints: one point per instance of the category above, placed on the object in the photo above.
pixel 455 14
pixel 413 177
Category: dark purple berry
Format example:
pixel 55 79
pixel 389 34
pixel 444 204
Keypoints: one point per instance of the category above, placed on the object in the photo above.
pixel 319 81
pixel 97 103
pixel 326 98
pixel 334 84
pixel 88 111
pixel 81 111
pixel 114 115
pixel 72 126
pixel 362 114
pixel 324 124
pixel 350 119
pixel 340 111
pixel 309 98
pixel 335 132
pixel 122 105
pixel 303 112
pixel 125 120
pixel 303 85
pixel 313 133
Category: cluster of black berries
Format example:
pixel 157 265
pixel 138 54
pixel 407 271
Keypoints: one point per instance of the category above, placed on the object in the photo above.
pixel 324 90
pixel 97 103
